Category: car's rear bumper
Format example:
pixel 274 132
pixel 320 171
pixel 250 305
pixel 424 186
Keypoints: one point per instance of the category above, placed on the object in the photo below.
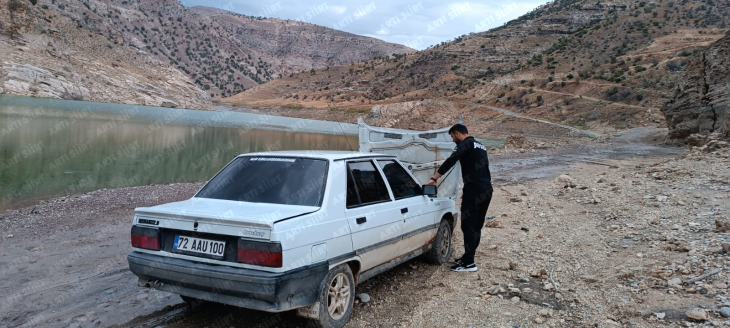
pixel 253 289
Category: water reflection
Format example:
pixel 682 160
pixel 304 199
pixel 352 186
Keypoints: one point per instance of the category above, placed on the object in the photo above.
pixel 47 151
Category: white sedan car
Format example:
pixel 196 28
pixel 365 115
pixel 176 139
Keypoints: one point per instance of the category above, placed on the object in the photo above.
pixel 281 231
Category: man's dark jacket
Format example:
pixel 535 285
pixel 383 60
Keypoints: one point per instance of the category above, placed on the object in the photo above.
pixel 474 165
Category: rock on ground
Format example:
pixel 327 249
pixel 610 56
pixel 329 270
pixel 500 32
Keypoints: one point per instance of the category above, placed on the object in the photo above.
pixel 364 298
pixel 567 181
pixel 697 314
pixel 674 282
pixel 722 225
pixel 725 311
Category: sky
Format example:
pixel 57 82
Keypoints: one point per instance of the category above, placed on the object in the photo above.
pixel 417 24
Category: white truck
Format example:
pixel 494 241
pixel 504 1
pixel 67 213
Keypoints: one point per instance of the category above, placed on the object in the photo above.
pixel 298 230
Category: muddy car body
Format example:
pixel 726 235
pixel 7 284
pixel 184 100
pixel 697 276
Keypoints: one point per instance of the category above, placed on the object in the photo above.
pixel 292 230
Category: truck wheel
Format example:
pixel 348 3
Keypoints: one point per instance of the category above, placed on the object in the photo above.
pixel 441 247
pixel 336 297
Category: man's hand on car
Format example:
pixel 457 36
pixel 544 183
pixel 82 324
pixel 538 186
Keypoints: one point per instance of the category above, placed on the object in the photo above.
pixel 434 179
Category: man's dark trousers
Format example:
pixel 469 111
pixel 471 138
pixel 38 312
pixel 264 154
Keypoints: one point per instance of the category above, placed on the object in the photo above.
pixel 474 206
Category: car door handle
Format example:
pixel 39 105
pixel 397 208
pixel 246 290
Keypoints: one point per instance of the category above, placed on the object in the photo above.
pixel 404 210
pixel 361 220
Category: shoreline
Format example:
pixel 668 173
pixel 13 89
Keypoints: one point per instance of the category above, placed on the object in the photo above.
pixel 31 203
pixel 189 117
pixel 507 166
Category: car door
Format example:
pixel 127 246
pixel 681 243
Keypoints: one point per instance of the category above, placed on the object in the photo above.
pixel 375 223
pixel 418 226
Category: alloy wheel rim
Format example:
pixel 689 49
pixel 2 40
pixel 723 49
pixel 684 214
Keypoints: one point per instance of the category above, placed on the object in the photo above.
pixel 338 296
pixel 445 242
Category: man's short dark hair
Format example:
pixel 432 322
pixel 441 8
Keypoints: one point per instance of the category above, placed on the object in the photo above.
pixel 459 128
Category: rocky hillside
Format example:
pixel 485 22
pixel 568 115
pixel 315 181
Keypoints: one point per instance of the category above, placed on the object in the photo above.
pixel 222 52
pixel 160 49
pixel 287 46
pixel 590 64
pixel 700 103
pixel 44 54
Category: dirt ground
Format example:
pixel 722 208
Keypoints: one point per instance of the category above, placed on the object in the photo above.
pixel 606 234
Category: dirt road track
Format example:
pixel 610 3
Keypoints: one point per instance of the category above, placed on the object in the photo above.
pixel 504 111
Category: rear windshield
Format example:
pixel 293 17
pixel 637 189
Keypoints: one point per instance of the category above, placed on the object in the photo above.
pixel 273 180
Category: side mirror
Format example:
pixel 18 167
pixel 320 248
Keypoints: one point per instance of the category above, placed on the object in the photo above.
pixel 429 190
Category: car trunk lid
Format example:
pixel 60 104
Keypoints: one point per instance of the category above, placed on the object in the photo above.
pixel 226 212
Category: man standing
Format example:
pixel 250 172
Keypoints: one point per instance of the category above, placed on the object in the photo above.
pixel 477 192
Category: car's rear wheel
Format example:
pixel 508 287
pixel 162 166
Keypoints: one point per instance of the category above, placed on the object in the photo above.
pixel 336 297
pixel 441 247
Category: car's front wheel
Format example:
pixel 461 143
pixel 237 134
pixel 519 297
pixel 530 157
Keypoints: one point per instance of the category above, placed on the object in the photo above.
pixel 336 297
pixel 441 247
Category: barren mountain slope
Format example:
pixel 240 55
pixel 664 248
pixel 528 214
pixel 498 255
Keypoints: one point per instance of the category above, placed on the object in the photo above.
pixel 292 46
pixel 45 55
pixel 219 51
pixel 607 64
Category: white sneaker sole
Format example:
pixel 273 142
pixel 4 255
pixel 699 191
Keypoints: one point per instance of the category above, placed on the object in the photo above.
pixel 465 269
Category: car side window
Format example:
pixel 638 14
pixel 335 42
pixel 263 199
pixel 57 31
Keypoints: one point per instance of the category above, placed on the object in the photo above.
pixel 352 198
pixel 368 183
pixel 401 183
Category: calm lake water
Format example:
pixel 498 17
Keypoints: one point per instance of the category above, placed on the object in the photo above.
pixel 58 147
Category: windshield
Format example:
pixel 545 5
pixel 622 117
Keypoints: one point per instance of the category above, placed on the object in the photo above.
pixel 273 180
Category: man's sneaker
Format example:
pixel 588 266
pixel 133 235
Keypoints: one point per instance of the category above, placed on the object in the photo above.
pixel 459 262
pixel 464 268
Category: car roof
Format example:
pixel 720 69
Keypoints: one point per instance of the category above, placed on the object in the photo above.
pixel 331 155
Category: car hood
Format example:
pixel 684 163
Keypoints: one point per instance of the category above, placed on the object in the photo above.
pixel 422 152
pixel 226 212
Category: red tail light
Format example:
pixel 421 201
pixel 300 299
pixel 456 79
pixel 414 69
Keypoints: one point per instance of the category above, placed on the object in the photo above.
pixel 147 238
pixel 145 242
pixel 258 253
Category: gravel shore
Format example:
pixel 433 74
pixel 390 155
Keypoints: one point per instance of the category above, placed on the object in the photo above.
pixel 106 206
pixel 64 261
pixel 615 242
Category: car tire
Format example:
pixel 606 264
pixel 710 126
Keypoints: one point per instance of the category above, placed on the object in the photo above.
pixel 337 287
pixel 441 246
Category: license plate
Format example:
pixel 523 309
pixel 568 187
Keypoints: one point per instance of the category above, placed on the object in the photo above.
pixel 199 246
